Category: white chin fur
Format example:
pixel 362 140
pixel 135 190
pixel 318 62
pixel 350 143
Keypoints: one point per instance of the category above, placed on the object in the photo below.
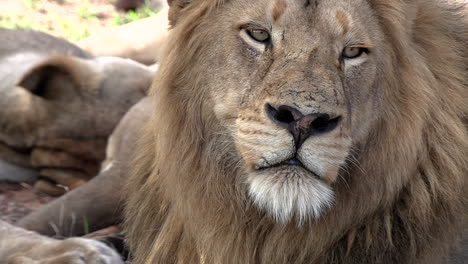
pixel 305 198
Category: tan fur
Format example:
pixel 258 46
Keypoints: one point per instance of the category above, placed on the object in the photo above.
pixel 278 9
pixel 59 104
pixel 98 203
pixel 140 40
pixel 400 193
pixel 18 246
pixel 343 20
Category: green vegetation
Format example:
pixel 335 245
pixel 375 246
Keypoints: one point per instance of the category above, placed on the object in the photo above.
pixel 32 4
pixel 131 16
pixel 85 12
pixel 85 225
pixel 72 31
pixel 60 2
pixel 66 27
pixel 17 21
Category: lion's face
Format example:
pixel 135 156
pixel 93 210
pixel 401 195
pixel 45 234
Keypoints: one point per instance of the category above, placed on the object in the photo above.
pixel 296 86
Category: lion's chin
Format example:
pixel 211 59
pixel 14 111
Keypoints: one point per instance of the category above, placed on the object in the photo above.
pixel 290 191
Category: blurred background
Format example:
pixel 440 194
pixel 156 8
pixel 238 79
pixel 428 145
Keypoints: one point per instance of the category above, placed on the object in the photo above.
pixel 130 29
pixel 73 20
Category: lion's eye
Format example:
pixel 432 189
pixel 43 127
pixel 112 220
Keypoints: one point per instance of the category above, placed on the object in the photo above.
pixel 353 52
pixel 259 35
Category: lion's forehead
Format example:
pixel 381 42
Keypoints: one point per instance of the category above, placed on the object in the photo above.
pixel 340 13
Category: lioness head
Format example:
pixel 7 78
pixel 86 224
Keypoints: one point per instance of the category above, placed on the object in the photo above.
pixel 58 106
pixel 296 87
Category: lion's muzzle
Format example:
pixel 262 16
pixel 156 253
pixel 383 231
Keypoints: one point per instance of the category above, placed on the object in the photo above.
pixel 295 154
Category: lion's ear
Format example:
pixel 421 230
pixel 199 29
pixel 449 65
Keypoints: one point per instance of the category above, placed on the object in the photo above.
pixel 175 8
pixel 57 77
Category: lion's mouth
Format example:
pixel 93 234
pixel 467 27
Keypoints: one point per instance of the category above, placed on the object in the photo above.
pixel 292 162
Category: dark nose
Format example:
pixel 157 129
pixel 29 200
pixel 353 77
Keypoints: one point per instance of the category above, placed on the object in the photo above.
pixel 299 125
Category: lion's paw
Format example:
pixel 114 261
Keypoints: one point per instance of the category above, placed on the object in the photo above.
pixel 71 251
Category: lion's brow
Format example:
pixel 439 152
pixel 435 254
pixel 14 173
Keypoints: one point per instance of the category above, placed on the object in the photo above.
pixel 278 9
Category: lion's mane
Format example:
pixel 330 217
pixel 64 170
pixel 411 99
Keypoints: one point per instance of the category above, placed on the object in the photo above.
pixel 406 202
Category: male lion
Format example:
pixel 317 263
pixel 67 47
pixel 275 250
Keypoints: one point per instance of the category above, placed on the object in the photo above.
pixel 301 131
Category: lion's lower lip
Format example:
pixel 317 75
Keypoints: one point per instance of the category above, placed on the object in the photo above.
pixel 290 162
pixel 293 162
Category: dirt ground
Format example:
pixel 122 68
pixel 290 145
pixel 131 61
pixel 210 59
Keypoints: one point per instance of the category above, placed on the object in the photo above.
pixel 17 200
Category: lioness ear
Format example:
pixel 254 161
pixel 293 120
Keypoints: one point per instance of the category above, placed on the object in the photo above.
pixel 56 77
pixel 38 80
pixel 175 8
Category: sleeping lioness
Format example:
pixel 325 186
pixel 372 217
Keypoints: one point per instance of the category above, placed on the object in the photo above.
pixel 59 103
pixel 97 201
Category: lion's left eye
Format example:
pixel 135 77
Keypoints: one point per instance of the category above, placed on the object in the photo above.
pixel 353 52
pixel 259 35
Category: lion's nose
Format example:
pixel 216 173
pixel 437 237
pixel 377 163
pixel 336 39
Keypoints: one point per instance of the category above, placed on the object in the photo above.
pixel 299 125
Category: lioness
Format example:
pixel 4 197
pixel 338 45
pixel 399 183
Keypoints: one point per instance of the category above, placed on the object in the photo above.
pixel 59 103
pixel 305 131
pixel 98 203
pixel 140 40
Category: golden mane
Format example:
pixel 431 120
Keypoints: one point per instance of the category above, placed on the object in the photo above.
pixel 187 202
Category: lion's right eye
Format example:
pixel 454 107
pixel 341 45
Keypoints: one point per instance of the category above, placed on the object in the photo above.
pixel 353 52
pixel 259 35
